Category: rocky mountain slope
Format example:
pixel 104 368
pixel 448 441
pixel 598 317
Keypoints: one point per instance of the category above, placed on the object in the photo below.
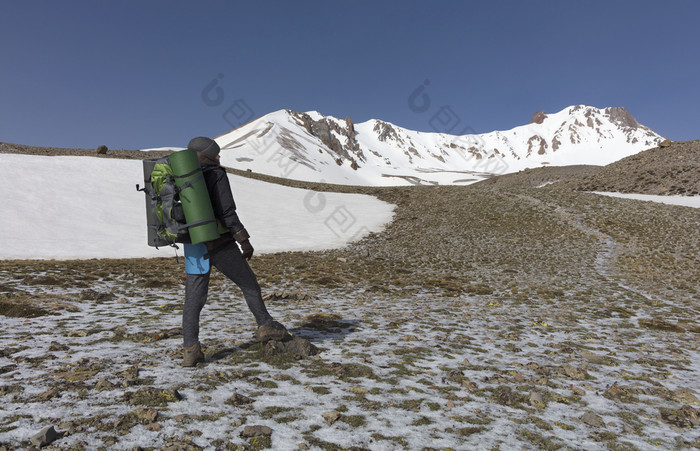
pixel 313 147
pixel 673 168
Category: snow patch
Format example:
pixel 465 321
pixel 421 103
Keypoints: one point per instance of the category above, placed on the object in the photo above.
pixel 685 201
pixel 86 207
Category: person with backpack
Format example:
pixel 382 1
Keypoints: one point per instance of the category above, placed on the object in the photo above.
pixel 225 255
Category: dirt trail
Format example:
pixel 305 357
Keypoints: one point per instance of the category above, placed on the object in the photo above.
pixel 608 249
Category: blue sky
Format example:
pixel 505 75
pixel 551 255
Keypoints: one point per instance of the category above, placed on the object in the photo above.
pixel 132 74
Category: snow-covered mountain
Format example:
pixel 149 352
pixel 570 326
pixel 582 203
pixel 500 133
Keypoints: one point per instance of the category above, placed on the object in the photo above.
pixel 312 147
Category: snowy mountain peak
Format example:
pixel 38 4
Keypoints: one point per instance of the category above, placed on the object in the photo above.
pixel 313 147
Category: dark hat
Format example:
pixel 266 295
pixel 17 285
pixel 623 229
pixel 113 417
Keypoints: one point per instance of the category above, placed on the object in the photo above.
pixel 205 145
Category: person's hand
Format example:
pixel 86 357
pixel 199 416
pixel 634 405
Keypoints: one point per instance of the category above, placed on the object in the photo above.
pixel 246 249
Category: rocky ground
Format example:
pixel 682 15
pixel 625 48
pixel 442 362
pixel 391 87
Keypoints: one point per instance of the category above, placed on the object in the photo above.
pixel 97 152
pixel 673 168
pixel 494 318
pixel 536 178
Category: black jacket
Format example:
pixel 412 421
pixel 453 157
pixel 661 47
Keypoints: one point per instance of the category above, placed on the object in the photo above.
pixel 221 197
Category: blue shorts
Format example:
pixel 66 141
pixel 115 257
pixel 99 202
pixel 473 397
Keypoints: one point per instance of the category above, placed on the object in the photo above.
pixel 195 263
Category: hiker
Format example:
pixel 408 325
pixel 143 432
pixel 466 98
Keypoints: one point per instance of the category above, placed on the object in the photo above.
pixel 224 254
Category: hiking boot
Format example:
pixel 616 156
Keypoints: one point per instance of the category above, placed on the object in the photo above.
pixel 272 331
pixel 193 355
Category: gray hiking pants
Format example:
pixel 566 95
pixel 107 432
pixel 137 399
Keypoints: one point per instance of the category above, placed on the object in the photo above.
pixel 233 266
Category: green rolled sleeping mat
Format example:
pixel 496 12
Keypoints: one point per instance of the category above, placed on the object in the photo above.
pixel 178 208
pixel 196 205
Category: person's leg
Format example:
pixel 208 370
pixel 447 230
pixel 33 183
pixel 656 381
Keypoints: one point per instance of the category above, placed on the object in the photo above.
pixel 233 266
pixel 196 289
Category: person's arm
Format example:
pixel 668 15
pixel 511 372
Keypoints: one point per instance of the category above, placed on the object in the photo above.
pixel 225 210
pixel 223 203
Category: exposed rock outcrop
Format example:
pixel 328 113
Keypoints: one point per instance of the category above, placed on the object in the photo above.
pixel 327 130
pixel 621 116
pixel 385 131
pixel 537 142
pixel 538 117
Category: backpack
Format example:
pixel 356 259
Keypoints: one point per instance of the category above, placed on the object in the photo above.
pixel 178 209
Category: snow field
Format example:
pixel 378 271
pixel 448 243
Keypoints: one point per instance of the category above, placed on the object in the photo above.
pixel 84 207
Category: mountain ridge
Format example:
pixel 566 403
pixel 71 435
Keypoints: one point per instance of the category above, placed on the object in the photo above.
pixel 313 147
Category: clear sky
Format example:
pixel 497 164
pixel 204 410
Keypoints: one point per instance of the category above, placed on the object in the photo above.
pixel 133 74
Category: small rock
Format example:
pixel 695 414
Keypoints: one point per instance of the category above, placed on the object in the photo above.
pixel 77 333
pixel 665 143
pixel 659 324
pixel 66 425
pixel 450 405
pixel 532 366
pixel 331 417
pixel 150 396
pixel 594 358
pixel 297 346
pixel 573 372
pixel 342 259
pixel 122 301
pixel 255 431
pixel 627 429
pixel 578 391
pixel 146 415
pixel 685 417
pixel 104 384
pixel 536 400
pixel 593 420
pixel 506 396
pixel 469 386
pixel 47 395
pixel 154 427
pixel 238 400
pixel 620 393
pixel 46 436
pixel 56 346
pixel 131 373
pixel 685 396
pixel 92 295
pixel 303 446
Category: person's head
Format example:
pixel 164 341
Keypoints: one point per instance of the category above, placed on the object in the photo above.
pixel 205 146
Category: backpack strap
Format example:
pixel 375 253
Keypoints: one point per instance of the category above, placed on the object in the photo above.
pixel 197 223
pixel 194 180
pixel 189 183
